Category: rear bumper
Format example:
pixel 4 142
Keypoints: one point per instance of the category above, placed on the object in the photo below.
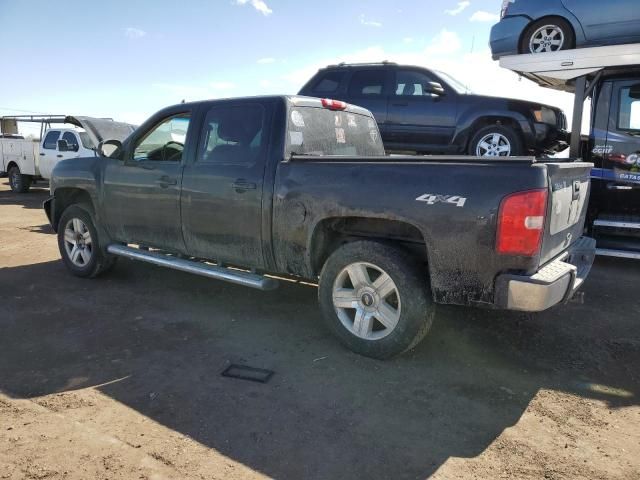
pixel 555 283
pixel 505 36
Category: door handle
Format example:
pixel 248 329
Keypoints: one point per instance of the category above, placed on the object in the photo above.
pixel 166 182
pixel 59 156
pixel 42 154
pixel 241 186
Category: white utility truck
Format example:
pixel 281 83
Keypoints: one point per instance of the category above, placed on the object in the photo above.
pixel 25 160
pixel 610 76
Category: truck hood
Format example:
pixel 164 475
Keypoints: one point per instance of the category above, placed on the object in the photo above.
pixel 489 99
pixel 101 129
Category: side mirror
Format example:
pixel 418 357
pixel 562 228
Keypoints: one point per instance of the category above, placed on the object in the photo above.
pixel 110 149
pixel 634 92
pixel 434 88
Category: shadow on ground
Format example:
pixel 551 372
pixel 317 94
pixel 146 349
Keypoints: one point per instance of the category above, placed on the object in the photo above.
pixel 162 338
pixel 32 199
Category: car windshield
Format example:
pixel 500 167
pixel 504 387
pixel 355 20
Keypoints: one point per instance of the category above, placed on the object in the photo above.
pixel 86 140
pixel 453 83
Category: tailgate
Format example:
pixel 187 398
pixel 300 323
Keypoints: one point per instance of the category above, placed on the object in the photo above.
pixel 569 197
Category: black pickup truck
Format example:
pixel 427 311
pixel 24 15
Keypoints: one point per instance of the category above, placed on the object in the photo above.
pixel 300 187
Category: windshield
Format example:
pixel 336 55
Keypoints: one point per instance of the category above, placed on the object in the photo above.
pixel 453 83
pixel 86 140
pixel 320 131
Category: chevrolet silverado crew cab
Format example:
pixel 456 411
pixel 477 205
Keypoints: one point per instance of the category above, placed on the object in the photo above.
pixel 300 187
pixel 429 111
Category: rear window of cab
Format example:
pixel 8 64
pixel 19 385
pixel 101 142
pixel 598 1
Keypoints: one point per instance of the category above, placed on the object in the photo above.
pixel 321 131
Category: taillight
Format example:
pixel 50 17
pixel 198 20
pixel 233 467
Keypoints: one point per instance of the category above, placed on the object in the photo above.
pixel 333 104
pixel 505 7
pixel 521 223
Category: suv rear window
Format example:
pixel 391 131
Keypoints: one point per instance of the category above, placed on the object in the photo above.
pixel 367 82
pixel 320 131
pixel 329 82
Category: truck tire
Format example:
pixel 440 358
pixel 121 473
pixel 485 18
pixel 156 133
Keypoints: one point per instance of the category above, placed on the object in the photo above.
pixel 548 35
pixel 78 243
pixel 375 299
pixel 496 141
pixel 19 183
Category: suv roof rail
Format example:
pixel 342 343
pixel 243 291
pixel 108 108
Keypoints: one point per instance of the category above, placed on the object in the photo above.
pixel 346 64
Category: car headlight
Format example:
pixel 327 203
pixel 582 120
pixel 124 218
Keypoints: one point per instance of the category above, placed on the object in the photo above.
pixel 545 115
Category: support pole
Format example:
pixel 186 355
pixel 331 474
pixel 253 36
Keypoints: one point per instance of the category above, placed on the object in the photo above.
pixel 578 111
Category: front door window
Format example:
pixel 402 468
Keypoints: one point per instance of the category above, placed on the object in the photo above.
pixel 164 143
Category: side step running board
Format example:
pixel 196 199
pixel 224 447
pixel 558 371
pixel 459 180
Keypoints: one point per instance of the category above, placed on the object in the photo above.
pixel 238 277
pixel 605 252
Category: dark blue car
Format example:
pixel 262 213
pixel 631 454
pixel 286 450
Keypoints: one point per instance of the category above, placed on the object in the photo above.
pixel 536 26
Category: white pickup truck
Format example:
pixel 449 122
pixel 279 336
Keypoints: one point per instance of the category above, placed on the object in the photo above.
pixel 25 160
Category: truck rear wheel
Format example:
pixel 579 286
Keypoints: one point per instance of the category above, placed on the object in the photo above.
pixel 79 244
pixel 18 182
pixel 375 299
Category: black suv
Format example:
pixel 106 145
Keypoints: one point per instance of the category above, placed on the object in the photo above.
pixel 428 111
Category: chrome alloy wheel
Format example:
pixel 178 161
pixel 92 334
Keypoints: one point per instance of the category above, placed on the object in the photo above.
pixel 78 243
pixel 493 145
pixel 549 38
pixel 366 301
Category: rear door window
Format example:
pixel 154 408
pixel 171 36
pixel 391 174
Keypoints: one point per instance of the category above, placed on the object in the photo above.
pixel 320 131
pixel 51 140
pixel 233 135
pixel 367 83
pixel 71 139
pixel 329 83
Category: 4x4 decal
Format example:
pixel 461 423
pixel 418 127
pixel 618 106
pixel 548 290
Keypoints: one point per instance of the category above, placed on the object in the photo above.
pixel 432 199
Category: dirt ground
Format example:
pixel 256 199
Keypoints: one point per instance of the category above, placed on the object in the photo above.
pixel 119 378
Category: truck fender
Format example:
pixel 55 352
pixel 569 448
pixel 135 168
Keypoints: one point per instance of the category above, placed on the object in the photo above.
pixel 324 237
pixel 473 120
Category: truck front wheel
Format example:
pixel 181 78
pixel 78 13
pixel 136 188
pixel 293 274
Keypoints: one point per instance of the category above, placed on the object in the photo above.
pixel 78 243
pixel 496 141
pixel 18 182
pixel 375 299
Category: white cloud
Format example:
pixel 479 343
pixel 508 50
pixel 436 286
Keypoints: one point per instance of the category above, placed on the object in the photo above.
pixel 369 23
pixel 266 60
pixel 462 6
pixel 482 16
pixel 132 32
pixel 407 40
pixel 259 5
pixel 445 43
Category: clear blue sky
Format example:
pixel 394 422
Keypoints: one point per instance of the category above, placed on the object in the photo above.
pixel 127 59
